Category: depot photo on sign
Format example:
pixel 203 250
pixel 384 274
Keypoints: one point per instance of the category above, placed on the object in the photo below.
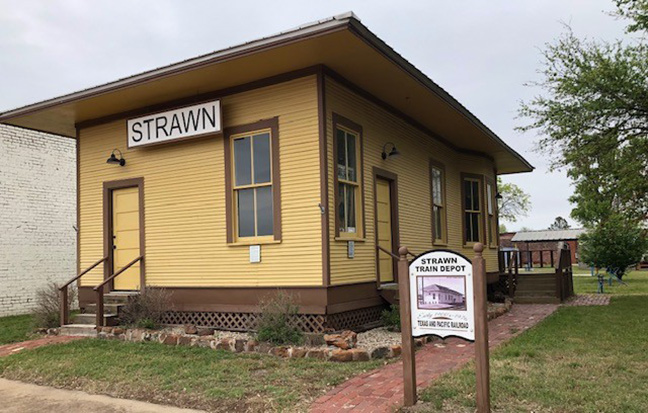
pixel 441 292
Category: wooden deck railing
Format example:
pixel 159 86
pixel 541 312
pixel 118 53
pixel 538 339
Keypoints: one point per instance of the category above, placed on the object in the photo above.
pixel 534 258
pixel 64 305
pixel 509 264
pixel 100 288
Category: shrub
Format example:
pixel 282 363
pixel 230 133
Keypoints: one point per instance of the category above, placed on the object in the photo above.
pixel 275 324
pixel 47 311
pixel 614 244
pixel 146 309
pixel 391 318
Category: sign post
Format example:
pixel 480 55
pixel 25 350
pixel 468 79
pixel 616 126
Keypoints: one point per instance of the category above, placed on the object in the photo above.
pixel 443 293
pixel 482 368
pixel 409 366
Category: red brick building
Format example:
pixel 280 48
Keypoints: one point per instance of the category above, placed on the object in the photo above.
pixel 540 246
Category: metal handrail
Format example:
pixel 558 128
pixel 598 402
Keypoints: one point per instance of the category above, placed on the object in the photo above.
pixel 99 290
pixel 386 251
pixel 64 313
pixel 82 273
pixel 112 277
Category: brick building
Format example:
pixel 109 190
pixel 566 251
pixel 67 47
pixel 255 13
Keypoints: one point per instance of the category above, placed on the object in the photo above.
pixel 37 215
pixel 539 244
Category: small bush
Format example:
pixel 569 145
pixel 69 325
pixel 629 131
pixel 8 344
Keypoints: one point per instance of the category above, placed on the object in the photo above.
pixel 275 324
pixel 147 309
pixel 47 312
pixel 391 318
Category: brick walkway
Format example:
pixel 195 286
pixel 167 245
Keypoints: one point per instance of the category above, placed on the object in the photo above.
pixel 382 390
pixel 13 348
pixel 589 299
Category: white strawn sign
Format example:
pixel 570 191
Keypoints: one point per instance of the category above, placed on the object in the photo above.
pixel 441 293
pixel 190 121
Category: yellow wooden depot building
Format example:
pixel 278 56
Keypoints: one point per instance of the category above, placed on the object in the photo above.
pixel 282 163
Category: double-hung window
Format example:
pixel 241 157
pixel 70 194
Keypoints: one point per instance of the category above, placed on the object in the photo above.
pixel 348 197
pixel 253 181
pixel 348 181
pixel 491 216
pixel 472 210
pixel 437 180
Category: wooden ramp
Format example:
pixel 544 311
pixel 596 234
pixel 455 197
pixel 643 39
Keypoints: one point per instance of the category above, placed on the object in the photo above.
pixel 536 289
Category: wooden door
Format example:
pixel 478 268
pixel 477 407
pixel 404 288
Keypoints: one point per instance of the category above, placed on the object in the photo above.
pixel 384 233
pixel 126 237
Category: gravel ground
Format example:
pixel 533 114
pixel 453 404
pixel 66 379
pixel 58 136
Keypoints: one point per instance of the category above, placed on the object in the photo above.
pixel 378 337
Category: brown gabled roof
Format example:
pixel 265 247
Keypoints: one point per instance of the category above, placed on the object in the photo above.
pixel 341 43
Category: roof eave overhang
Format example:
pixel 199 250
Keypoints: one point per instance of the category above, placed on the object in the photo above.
pixel 514 161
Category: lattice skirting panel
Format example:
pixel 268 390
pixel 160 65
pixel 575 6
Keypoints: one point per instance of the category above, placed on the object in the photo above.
pixel 315 323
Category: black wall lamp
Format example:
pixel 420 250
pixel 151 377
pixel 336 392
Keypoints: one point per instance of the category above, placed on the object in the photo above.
pixel 115 160
pixel 498 196
pixel 392 154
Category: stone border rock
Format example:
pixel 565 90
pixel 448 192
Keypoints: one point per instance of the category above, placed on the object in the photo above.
pixel 336 347
pixel 332 353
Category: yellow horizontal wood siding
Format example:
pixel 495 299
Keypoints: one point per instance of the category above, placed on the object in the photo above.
pixel 412 167
pixel 184 197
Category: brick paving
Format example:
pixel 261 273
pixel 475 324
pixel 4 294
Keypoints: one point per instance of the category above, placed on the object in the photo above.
pixel 589 299
pixel 381 390
pixel 13 348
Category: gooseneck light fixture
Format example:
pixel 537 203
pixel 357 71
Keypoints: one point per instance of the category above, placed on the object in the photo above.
pixel 392 154
pixel 115 160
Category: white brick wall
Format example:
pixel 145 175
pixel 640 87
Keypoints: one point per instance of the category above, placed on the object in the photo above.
pixel 37 215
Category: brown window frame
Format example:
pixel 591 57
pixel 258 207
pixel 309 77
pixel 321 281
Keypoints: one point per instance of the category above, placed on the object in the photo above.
pixel 230 134
pixel 492 220
pixel 347 125
pixel 482 221
pixel 434 164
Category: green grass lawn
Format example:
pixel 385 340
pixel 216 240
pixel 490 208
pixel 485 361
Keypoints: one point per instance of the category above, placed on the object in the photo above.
pixel 15 328
pixel 202 378
pixel 580 359
pixel 637 284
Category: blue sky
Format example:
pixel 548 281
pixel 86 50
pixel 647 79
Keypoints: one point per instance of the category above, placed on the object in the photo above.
pixel 481 52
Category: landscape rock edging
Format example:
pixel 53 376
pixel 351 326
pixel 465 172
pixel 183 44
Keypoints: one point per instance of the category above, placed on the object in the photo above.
pixel 333 353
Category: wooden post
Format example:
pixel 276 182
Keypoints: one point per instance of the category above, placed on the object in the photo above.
pixel 553 263
pixel 409 368
pixel 63 306
pixel 99 308
pixel 481 331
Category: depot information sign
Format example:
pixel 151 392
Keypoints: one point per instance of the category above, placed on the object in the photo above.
pixel 441 295
pixel 188 122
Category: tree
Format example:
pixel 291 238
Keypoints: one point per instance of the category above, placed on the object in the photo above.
pixel 502 228
pixel 514 202
pixel 559 223
pixel 593 116
pixel 616 244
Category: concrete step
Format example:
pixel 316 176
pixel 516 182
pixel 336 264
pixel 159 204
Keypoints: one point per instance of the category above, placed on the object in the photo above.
pixel 118 297
pixel 112 308
pixel 83 330
pixel 91 319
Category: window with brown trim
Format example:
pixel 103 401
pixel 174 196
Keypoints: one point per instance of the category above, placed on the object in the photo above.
pixel 348 179
pixel 438 203
pixel 491 213
pixel 253 183
pixel 472 209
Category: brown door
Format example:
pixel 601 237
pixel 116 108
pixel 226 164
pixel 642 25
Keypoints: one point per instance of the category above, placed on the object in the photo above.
pixel 384 229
